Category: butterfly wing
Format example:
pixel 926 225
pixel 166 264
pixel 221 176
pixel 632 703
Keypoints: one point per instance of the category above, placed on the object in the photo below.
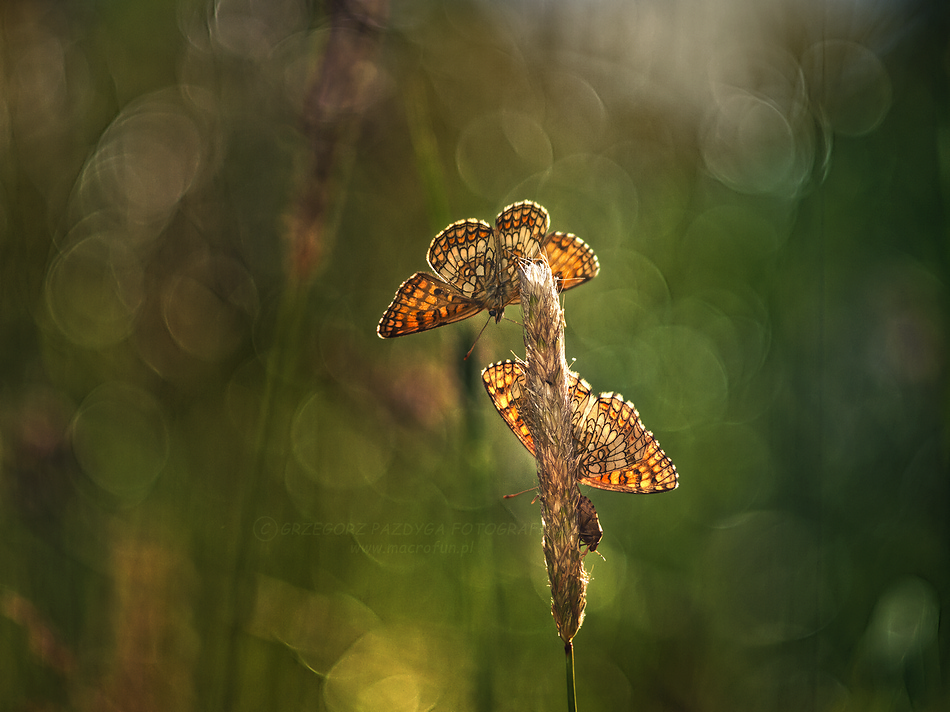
pixel 519 229
pixel 581 401
pixel 655 473
pixel 424 302
pixel 462 255
pixel 572 261
pixel 618 453
pixel 505 383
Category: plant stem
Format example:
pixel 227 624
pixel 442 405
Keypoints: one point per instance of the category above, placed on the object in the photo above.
pixel 569 662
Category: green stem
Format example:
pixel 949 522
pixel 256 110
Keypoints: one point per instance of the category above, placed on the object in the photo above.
pixel 282 368
pixel 426 147
pixel 569 662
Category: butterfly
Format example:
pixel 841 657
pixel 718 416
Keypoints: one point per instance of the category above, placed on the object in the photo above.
pixel 588 523
pixel 615 451
pixel 476 268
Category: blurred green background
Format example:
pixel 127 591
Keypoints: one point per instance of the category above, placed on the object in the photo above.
pixel 221 490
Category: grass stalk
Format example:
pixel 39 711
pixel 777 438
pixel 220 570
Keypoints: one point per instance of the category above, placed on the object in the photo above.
pixel 569 664
pixel 548 417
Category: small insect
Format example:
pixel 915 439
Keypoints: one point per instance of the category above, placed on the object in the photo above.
pixel 476 268
pixel 588 524
pixel 615 451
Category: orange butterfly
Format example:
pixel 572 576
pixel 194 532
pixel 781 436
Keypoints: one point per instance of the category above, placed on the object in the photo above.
pixel 476 268
pixel 615 451
pixel 588 524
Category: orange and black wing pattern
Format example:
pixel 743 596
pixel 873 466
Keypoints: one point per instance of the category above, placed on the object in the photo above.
pixel 505 383
pixel 476 268
pixel 572 260
pixel 617 453
pixel 463 255
pixel 421 303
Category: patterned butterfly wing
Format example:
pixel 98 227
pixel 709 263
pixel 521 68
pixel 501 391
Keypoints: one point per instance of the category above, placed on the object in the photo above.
pixel 462 255
pixel 588 523
pixel 618 453
pixel 424 302
pixel 505 383
pixel 520 230
pixel 572 261
pixel 582 399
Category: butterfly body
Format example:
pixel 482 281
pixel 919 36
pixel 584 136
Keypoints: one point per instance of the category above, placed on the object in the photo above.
pixel 613 449
pixel 476 269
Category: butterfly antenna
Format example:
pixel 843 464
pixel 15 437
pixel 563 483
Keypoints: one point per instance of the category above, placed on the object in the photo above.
pixel 477 338
pixel 510 496
pixel 567 280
